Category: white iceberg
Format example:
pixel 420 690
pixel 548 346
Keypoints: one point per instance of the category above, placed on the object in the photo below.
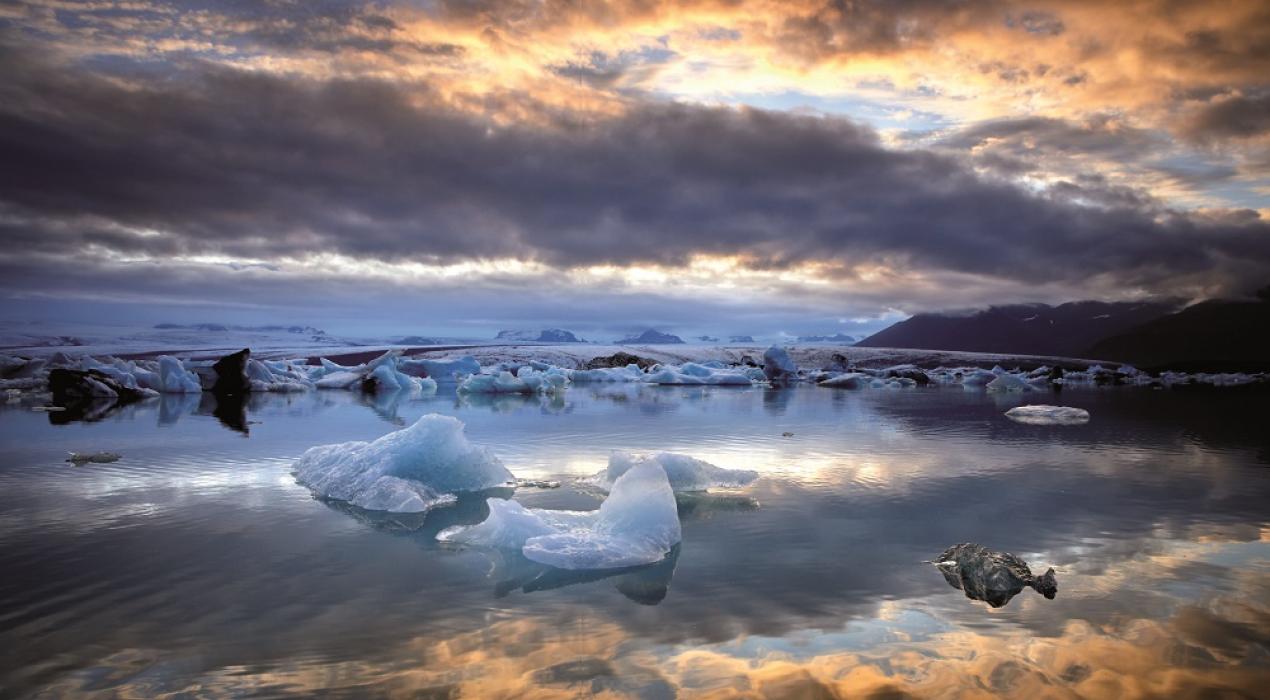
pixel 527 380
pixel 637 524
pixel 173 378
pixel 380 374
pixel 777 365
pixel 444 371
pixel 1008 382
pixel 1048 415
pixel 683 472
pixel 407 471
pixel 848 380
pixel 693 373
pixel 629 373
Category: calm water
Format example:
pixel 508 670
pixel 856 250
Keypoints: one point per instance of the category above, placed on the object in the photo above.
pixel 196 565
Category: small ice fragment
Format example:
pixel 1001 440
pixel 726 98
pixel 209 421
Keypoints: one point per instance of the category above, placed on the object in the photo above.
pixel 1048 415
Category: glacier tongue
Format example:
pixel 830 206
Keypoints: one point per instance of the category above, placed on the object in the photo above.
pixel 637 524
pixel 408 471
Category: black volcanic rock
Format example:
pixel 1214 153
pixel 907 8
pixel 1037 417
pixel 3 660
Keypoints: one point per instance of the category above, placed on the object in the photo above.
pixel 652 337
pixel 1025 329
pixel 1211 336
pixel 231 373
pixel 70 386
pixel 993 577
pixel 619 359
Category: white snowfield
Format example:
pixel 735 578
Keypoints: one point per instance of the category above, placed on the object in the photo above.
pixel 1041 414
pixel 637 524
pixel 408 471
pixel 684 473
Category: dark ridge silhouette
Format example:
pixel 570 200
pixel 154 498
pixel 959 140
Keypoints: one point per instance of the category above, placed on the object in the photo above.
pixel 1027 329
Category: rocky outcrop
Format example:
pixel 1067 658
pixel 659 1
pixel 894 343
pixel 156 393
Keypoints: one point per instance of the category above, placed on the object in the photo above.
pixel 619 359
pixel 74 385
pixel 231 374
pixel 993 577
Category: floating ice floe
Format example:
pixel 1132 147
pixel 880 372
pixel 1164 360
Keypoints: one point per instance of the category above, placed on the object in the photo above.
pixel 637 524
pixel 407 471
pixel 174 378
pixel 848 380
pixel 527 380
pixel 778 366
pixel 629 373
pixel 380 374
pixel 693 373
pixel 447 371
pixel 683 472
pixel 1006 382
pixel 1048 415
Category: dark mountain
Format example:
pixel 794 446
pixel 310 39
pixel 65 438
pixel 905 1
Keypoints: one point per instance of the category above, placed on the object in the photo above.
pixel 1212 336
pixel 707 339
pixel 652 337
pixel 550 335
pixel 1029 329
pixel 741 339
pixel 840 338
pixel 417 340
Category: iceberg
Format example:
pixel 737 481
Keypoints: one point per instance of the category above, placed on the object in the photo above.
pixel 637 524
pixel 380 374
pixel 847 380
pixel 445 371
pixel 175 379
pixel 777 365
pixel 629 373
pixel 527 380
pixel 693 373
pixel 1048 415
pixel 683 472
pixel 1008 382
pixel 407 471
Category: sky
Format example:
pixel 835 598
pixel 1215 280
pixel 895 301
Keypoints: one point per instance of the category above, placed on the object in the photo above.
pixel 710 167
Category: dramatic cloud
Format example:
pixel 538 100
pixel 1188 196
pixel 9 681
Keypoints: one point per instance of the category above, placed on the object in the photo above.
pixel 561 146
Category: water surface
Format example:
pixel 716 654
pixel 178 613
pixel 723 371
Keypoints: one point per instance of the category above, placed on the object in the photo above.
pixel 196 564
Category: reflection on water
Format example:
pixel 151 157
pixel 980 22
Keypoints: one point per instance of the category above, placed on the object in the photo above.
pixel 196 564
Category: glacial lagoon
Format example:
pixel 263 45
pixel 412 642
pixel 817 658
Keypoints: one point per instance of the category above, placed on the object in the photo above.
pixel 196 564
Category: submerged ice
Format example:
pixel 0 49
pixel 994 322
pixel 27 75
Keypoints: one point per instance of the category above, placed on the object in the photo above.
pixel 683 472
pixel 1040 414
pixel 407 471
pixel 637 524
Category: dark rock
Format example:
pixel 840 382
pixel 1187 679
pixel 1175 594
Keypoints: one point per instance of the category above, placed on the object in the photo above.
pixel 916 375
pixel 231 373
pixel 748 361
pixel 619 359
pixel 73 385
pixel 993 577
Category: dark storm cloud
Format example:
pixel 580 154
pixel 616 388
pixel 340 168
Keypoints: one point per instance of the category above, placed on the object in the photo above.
pixel 254 165
pixel 1231 117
